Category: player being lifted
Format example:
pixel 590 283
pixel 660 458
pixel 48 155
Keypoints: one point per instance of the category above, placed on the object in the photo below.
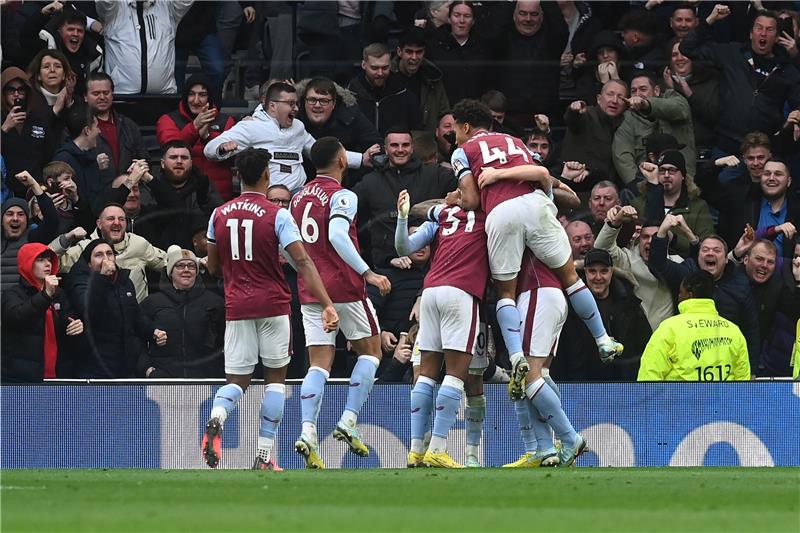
pixel 519 214
pixel 326 214
pixel 244 238
pixel 449 318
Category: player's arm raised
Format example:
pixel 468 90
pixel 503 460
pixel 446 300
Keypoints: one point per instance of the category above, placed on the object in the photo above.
pixel 403 243
pixel 564 197
pixel 535 173
pixel 344 206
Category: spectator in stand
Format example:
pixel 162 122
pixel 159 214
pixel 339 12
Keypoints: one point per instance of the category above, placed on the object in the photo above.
pixel 197 121
pixel 120 140
pixel 756 80
pixel 80 153
pixel 497 103
pixel 37 320
pixel 56 28
pixel 382 95
pixel 461 54
pixel 777 297
pixel 34 118
pixel 193 319
pixel 577 357
pixel 581 239
pixel 700 87
pixel 669 190
pixel 603 196
pixel 376 198
pixel 329 110
pixel 654 293
pixel 116 329
pixel 590 130
pixel 131 252
pixel 197 34
pixel 17 230
pixel 72 208
pixel 732 294
pixel 527 58
pixel 274 128
pixel 582 28
pixel 683 20
pixel 420 76
pixel 140 44
pixel 651 111
pixel 698 344
pixel 640 37
pixel 435 15
pixel 602 63
pixel 445 137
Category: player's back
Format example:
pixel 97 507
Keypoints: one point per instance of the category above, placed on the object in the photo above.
pixel 312 208
pixel 498 150
pixel 460 257
pixel 245 234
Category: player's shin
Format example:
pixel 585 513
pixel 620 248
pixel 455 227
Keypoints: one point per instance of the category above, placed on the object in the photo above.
pixel 474 416
pixel 448 400
pixel 271 415
pixel 311 393
pixel 543 434
pixel 225 401
pixel 549 406
pixel 585 307
pixel 421 407
pixel 525 427
pixel 361 381
pixel 510 323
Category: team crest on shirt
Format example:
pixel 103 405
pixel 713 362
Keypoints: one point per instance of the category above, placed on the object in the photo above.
pixel 343 202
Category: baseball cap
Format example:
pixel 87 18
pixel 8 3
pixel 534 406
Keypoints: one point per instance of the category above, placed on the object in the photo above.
pixel 597 255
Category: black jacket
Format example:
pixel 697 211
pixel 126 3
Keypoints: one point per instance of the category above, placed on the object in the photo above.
pixel 24 308
pixel 377 200
pixel 131 146
pixel 388 106
pixel 91 181
pixel 464 68
pixel 758 103
pixel 114 325
pixel 732 294
pixel 195 324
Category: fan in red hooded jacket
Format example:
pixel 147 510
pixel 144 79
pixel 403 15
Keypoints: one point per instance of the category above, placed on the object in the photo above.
pixel 37 320
pixel 196 122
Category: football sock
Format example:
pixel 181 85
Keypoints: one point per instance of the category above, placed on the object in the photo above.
pixel 525 429
pixel 421 406
pixel 271 415
pixel 541 430
pixel 311 393
pixel 474 417
pixel 225 401
pixel 552 385
pixel 510 324
pixel 549 406
pixel 585 307
pixel 448 400
pixel 361 381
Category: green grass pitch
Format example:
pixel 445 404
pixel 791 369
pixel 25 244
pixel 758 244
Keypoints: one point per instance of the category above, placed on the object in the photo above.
pixel 573 499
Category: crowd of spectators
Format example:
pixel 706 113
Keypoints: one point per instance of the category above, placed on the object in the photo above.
pixel 678 123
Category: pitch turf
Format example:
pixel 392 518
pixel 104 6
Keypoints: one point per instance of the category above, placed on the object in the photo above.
pixel 574 499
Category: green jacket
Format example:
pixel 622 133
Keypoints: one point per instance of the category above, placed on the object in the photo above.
pixel 433 100
pixel 694 210
pixel 696 345
pixel 669 113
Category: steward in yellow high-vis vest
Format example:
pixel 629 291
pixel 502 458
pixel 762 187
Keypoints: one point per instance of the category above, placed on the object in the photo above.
pixel 697 344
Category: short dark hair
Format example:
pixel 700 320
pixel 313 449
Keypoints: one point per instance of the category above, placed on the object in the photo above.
pixel 413 36
pixel 323 152
pixel 99 76
pixel 177 143
pixel 643 74
pixel 78 118
pixel 470 5
pixel 252 163
pixel 766 13
pixel 495 100
pixel 400 130
pixel 699 283
pixel 277 88
pixel 639 20
pixel 279 187
pixel 781 161
pixel 322 86
pixel 70 16
pixel 472 112
pixel 715 237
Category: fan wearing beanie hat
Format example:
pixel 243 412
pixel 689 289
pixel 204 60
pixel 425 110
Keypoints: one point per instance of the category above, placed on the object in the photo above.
pixel 175 253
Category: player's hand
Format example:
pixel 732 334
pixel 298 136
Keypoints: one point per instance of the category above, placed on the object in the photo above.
pixel 160 337
pixel 388 341
pixel 578 106
pixel 788 229
pixel 74 327
pixel 745 242
pixel 376 280
pixel 51 285
pixel 649 171
pixel 719 12
pixel 453 197
pixel 414 314
pixel 330 319
pixel 403 263
pixel 403 204
pixel 488 176
pixel 727 161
